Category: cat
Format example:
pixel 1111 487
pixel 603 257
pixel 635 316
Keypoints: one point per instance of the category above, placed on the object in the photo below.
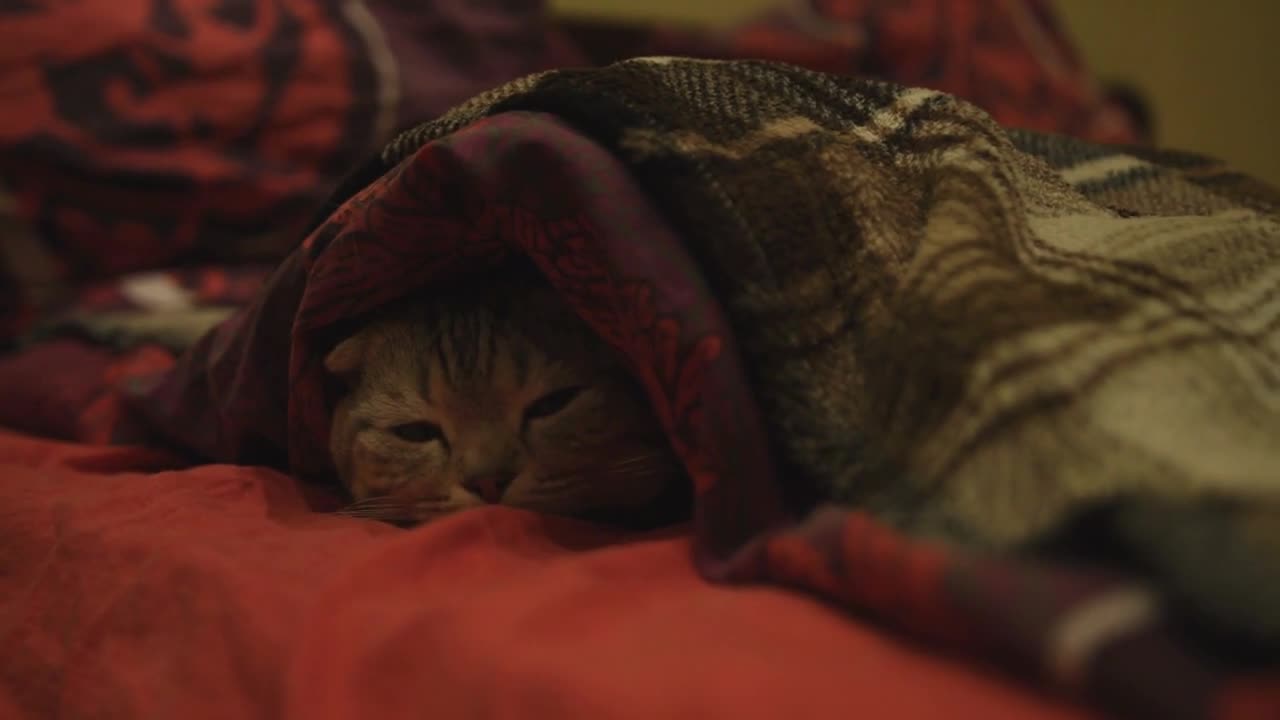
pixel 495 392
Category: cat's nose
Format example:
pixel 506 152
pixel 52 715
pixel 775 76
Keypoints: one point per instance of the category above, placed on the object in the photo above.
pixel 489 486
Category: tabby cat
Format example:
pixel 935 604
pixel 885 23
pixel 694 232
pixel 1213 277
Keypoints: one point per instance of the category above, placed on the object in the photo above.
pixel 494 393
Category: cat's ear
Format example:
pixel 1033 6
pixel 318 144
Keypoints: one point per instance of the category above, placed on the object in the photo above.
pixel 345 359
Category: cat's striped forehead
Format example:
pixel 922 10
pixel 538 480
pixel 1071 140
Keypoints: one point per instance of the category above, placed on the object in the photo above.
pixel 491 338
pixel 469 343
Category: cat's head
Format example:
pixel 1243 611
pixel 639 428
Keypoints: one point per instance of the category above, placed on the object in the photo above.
pixel 495 394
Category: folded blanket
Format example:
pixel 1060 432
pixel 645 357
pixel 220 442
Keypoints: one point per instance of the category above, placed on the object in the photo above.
pixel 1014 393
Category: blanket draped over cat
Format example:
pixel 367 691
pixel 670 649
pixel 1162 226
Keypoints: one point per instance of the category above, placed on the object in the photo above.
pixel 1013 393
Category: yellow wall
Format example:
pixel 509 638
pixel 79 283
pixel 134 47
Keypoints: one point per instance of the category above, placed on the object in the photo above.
pixel 1210 69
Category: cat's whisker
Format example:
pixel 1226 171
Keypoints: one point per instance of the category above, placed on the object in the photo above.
pixel 593 479
pixel 387 501
pixel 607 471
pixel 407 512
pixel 384 516
pixel 654 461
pixel 390 517
pixel 381 508
pixel 371 504
pixel 373 500
pixel 371 511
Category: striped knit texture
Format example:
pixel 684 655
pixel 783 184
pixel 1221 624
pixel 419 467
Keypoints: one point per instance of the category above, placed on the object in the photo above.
pixel 975 332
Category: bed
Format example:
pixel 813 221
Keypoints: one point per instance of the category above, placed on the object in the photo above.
pixel 218 592
pixel 265 173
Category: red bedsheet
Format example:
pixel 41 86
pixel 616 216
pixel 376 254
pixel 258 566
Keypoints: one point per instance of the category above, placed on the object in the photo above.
pixel 132 589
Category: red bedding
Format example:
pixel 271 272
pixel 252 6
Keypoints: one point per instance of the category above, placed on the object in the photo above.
pixel 217 592
pixel 134 586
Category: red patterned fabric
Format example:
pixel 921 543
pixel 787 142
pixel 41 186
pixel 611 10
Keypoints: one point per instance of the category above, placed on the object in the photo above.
pixel 144 133
pixel 517 182
pixel 525 182
pixel 253 393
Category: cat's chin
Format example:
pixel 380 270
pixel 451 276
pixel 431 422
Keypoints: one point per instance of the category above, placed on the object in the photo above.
pixel 408 511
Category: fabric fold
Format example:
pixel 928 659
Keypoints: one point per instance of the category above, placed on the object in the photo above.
pixel 870 296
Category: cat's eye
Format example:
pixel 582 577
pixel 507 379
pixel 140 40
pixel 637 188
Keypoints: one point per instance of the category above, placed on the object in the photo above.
pixel 417 432
pixel 552 402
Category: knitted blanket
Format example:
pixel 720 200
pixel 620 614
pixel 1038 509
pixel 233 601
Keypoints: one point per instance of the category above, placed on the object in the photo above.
pixel 1014 393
